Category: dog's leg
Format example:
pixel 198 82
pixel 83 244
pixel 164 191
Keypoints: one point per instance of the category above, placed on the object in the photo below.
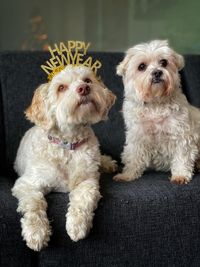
pixel 182 165
pixel 36 229
pixel 108 165
pixel 83 201
pixel 136 159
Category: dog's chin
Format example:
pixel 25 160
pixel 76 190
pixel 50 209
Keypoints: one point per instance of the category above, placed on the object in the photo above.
pixel 88 104
pixel 157 88
pixel 86 110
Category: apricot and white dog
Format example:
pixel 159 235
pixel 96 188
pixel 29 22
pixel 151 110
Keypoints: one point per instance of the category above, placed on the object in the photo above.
pixel 61 153
pixel 162 128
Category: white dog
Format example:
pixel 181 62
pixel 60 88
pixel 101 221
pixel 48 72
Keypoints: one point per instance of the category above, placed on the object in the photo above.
pixel 162 128
pixel 61 153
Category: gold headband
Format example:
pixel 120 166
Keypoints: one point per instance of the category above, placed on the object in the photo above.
pixel 72 53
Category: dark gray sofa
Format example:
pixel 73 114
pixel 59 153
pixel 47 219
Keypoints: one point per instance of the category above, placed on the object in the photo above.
pixel 149 222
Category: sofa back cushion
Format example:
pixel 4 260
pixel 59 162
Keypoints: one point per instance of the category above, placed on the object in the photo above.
pixel 2 136
pixel 18 80
pixel 21 74
pixel 190 76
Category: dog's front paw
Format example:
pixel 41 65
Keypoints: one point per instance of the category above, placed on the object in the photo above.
pixel 36 230
pixel 108 165
pixel 124 177
pixel 179 180
pixel 77 226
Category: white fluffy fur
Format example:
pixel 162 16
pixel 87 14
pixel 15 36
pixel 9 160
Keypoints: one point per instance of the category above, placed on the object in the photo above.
pixel 44 166
pixel 162 128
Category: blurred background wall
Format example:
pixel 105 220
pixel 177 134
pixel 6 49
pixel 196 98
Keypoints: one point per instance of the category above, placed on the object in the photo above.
pixel 110 25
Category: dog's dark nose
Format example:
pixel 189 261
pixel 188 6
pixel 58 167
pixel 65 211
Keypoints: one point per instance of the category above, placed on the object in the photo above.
pixel 83 90
pixel 157 73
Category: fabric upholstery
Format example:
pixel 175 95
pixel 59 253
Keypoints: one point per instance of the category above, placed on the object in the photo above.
pixel 2 137
pixel 191 79
pixel 149 222
pixel 13 251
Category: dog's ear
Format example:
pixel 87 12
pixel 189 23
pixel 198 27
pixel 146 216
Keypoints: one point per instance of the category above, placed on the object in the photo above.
pixel 121 68
pixel 179 61
pixel 109 97
pixel 36 112
pixel 110 100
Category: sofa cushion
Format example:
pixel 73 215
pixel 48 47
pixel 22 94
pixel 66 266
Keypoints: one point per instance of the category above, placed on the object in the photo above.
pixel 148 222
pixel 191 79
pixel 13 251
pixel 2 136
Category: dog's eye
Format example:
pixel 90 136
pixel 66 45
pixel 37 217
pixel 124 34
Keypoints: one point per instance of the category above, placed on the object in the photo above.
pixel 163 63
pixel 87 80
pixel 62 88
pixel 142 67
